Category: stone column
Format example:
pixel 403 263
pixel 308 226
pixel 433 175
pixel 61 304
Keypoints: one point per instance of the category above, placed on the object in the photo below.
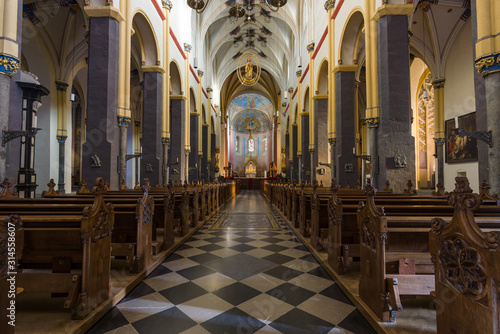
pixel 295 157
pixel 488 64
pixel 200 123
pixel 193 157
pixel 306 158
pixel 61 129
pixel 205 148
pixel 287 156
pixel 213 144
pixel 439 132
pixel 165 137
pixel 395 159
pixel 177 123
pixel 100 150
pixel 347 172
pixel 152 125
pixel 322 146
pixel 312 118
pixel 187 131
pixel 299 126
pixel 9 65
pixel 332 136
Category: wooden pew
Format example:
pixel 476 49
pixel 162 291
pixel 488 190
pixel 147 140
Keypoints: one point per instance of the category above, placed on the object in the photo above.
pixel 467 262
pixel 132 233
pixel 395 258
pixel 76 248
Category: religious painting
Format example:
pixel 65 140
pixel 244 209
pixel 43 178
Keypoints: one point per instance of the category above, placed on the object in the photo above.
pixel 461 149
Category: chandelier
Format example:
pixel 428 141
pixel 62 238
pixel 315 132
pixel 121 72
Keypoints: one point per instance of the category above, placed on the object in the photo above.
pixel 200 5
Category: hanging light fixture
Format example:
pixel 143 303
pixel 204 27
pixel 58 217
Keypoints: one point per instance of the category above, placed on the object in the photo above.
pixel 236 11
pixel 275 5
pixel 198 5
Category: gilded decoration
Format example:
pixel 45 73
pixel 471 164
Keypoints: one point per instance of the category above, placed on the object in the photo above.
pixel 488 64
pixel 61 86
pixel 8 65
pixel 124 120
pixel 310 47
pixel 249 73
pixel 329 4
pixel 167 4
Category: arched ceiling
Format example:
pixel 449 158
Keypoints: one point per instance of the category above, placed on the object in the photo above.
pixel 271 36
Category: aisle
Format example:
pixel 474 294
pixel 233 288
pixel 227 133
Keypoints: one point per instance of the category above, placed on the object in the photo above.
pixel 244 272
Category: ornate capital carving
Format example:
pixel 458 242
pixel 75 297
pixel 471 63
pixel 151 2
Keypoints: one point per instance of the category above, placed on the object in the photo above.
pixel 8 65
pixel 167 4
pixel 438 83
pixel 329 4
pixel 299 73
pixel 124 121
pixel 310 47
pixel 488 64
pixel 61 86
pixel 187 47
pixel 373 122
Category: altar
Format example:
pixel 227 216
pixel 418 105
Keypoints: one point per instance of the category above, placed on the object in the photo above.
pixel 250 169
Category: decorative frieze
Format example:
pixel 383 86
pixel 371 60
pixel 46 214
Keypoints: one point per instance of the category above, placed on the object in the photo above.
pixel 8 65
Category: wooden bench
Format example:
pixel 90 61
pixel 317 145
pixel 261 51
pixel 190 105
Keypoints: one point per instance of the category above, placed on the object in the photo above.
pixel 132 233
pixel 76 250
pixel 467 262
pixel 395 258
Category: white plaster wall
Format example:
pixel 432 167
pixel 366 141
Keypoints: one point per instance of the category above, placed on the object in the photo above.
pixel 157 23
pixel 459 100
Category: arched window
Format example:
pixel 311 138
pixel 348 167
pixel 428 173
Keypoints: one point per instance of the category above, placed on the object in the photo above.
pixel 251 145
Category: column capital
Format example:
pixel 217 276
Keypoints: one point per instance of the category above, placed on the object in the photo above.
pixel 488 64
pixel 165 141
pixel 104 11
pixel 153 68
pixel 332 141
pixel 61 86
pixel 310 47
pixel 299 73
pixel 439 141
pixel 373 122
pixel 209 90
pixel 167 4
pixel 438 83
pixel 9 65
pixel 329 4
pixel 386 10
pixel 290 90
pixel 61 139
pixel 124 121
pixel 187 47
pixel 200 73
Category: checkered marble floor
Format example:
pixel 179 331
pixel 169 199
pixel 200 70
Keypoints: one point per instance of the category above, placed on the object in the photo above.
pixel 227 280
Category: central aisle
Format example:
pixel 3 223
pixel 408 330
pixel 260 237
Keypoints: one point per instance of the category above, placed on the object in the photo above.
pixel 243 272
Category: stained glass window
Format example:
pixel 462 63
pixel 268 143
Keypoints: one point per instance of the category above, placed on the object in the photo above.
pixel 251 145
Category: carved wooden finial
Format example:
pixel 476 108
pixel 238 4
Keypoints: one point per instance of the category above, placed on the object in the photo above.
pixel 100 187
pixel 106 185
pixel 83 188
pixel 462 197
pixel 315 184
pixel 388 186
pixel 440 190
pixel 321 183
pixel 334 186
pixel 137 186
pixel 51 190
pixel 124 185
pixel 359 184
pixel 408 190
pixel 5 190
pixel 185 184
pixel 370 188
pixel 485 192
pixel 348 186
pixel 146 187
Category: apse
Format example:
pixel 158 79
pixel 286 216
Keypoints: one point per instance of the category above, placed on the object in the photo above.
pixel 250 135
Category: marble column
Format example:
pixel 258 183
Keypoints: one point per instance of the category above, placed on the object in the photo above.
pixel 176 155
pixel 295 159
pixel 213 145
pixel 345 91
pixel 204 159
pixel 395 159
pixel 10 49
pixel 193 156
pixel 322 146
pixel 152 126
pixel 100 150
pixel 287 155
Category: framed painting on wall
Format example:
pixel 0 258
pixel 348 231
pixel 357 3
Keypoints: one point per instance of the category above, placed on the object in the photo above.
pixel 461 149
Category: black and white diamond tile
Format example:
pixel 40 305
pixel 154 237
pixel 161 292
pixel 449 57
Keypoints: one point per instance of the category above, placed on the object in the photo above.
pixel 237 281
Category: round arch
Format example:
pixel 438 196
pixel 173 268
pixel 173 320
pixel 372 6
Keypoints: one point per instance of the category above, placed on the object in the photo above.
pixel 148 41
pixel 351 38
pixel 322 81
pixel 175 79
